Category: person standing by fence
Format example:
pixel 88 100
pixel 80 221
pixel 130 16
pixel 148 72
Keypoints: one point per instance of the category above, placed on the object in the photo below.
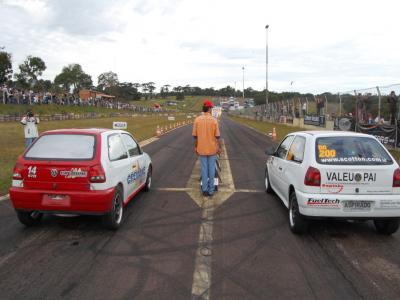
pixel 392 100
pixel 30 128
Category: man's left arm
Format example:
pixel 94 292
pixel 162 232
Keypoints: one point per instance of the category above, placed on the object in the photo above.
pixel 218 137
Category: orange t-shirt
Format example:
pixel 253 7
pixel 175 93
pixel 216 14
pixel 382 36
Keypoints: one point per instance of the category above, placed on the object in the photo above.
pixel 206 130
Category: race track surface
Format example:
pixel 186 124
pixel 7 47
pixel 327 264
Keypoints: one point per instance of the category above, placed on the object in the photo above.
pixel 175 245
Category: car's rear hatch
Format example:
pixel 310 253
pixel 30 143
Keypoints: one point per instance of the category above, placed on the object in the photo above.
pixel 354 165
pixel 59 162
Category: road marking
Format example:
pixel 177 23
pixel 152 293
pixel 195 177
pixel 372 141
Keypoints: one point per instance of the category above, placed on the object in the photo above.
pixel 173 189
pixel 202 270
pixel 148 141
pixel 195 190
pixel 248 191
pixel 5 197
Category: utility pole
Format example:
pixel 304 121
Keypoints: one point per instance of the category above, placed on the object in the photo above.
pixel 243 82
pixel 266 66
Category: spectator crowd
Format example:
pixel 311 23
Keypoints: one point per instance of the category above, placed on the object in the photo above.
pixel 29 97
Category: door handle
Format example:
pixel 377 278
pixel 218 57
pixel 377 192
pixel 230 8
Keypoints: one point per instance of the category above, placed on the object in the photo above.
pixel 280 168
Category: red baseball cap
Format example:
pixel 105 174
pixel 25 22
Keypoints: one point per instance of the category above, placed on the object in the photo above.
pixel 208 103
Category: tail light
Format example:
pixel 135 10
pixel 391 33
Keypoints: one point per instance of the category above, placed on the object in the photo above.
pixel 396 178
pixel 313 177
pixel 97 174
pixel 17 172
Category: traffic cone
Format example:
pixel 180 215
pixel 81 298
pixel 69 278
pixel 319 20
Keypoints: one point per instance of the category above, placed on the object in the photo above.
pixel 273 134
pixel 158 132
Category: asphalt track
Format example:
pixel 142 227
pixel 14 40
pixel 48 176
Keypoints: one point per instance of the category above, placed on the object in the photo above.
pixel 153 255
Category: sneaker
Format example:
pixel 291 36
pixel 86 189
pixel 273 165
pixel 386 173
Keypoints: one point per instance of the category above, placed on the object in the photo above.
pixel 210 194
pixel 205 194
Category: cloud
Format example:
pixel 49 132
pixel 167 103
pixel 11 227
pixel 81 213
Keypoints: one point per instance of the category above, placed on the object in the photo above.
pixel 321 46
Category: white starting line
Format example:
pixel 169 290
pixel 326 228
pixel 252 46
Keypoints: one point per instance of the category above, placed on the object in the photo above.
pixel 5 197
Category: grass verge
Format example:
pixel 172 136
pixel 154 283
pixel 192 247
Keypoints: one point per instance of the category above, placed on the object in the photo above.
pixel 12 136
pixel 264 127
pixel 12 109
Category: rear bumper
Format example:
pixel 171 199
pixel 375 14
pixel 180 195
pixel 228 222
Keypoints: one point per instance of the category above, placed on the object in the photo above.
pixel 332 205
pixel 91 202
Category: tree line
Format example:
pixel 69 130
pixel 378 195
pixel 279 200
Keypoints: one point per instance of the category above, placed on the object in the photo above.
pixel 73 78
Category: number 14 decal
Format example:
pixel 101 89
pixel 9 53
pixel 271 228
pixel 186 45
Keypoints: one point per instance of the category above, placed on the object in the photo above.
pixel 32 172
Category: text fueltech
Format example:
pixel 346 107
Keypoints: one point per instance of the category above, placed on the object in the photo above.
pixel 323 202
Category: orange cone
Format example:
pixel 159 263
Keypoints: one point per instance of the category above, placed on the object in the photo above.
pixel 158 132
pixel 273 134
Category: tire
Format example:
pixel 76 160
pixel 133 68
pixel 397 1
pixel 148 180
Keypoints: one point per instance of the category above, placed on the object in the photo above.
pixel 29 218
pixel 113 219
pixel 268 188
pixel 147 185
pixel 297 223
pixel 387 226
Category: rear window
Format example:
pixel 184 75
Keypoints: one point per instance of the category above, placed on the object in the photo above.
pixel 351 151
pixel 63 147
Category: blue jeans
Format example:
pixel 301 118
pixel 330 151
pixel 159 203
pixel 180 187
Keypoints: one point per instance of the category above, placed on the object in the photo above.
pixel 29 141
pixel 207 168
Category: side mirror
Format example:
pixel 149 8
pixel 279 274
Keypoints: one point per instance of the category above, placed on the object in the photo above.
pixel 270 151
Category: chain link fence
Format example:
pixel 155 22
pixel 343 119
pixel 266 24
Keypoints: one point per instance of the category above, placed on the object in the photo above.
pixel 373 110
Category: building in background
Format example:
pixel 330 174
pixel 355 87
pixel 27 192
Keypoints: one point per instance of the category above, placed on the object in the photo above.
pixel 94 95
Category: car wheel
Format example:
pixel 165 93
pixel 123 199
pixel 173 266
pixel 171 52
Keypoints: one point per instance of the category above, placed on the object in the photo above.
pixel 147 186
pixel 268 187
pixel 29 218
pixel 113 219
pixel 297 223
pixel 387 226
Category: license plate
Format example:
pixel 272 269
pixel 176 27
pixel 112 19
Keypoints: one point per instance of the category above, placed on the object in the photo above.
pixel 56 197
pixel 356 205
pixel 56 200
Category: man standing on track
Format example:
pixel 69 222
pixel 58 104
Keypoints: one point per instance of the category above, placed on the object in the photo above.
pixel 207 146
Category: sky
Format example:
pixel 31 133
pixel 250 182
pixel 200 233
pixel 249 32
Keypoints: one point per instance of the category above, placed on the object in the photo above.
pixel 313 46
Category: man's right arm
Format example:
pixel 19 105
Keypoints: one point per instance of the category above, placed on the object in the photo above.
pixel 194 134
pixel 23 121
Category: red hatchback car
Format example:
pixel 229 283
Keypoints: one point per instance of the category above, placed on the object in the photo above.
pixel 79 171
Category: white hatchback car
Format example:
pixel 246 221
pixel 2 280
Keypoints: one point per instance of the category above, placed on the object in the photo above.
pixel 335 174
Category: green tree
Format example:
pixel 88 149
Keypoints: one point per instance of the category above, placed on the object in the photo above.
pixel 43 85
pixel 128 91
pixel 164 90
pixel 72 76
pixel 5 67
pixel 179 93
pixel 145 90
pixel 107 80
pixel 30 70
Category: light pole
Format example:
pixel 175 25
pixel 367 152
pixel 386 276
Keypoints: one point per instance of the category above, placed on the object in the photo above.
pixel 243 82
pixel 266 66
